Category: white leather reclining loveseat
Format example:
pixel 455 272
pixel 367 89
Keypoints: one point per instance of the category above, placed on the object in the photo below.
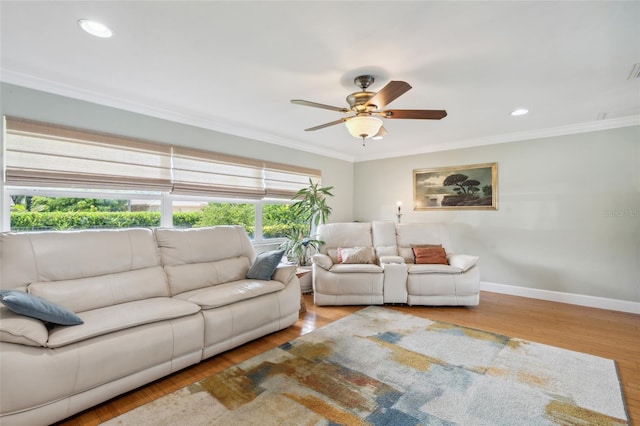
pixel 151 302
pixel 411 263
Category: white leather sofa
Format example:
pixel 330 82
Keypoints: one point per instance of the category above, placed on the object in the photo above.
pixel 152 302
pixel 394 276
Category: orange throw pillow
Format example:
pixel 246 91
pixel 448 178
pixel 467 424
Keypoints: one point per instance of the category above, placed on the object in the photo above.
pixel 430 255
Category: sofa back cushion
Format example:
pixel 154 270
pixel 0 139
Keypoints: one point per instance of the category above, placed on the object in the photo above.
pixel 84 294
pixel 51 256
pixel 198 275
pixel 201 257
pixel 199 245
pixel 409 235
pixel 384 238
pixel 344 235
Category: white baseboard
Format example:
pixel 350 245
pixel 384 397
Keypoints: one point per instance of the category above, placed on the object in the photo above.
pixel 557 296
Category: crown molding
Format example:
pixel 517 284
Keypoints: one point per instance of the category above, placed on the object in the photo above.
pixel 56 88
pixel 49 86
pixel 571 129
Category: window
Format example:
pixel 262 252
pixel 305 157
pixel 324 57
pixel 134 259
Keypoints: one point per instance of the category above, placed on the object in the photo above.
pixel 36 210
pixel 55 209
pixel 193 213
pixel 111 181
pixel 277 220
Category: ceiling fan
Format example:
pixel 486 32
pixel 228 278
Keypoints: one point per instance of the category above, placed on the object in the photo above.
pixel 365 108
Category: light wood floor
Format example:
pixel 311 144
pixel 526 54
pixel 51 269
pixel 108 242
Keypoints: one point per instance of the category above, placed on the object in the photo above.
pixel 609 334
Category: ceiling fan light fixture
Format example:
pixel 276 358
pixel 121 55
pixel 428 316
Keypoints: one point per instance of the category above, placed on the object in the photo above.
pixel 363 126
pixel 381 134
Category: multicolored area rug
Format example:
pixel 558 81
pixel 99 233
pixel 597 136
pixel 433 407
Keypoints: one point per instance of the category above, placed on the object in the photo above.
pixel 382 367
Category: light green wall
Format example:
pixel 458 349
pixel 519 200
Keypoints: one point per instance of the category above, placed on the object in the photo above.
pixel 26 103
pixel 568 215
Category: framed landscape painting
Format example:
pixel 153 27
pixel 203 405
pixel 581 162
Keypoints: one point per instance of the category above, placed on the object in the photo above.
pixel 473 187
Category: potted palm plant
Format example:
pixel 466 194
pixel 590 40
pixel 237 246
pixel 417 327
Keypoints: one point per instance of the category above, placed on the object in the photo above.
pixel 310 210
pixel 298 245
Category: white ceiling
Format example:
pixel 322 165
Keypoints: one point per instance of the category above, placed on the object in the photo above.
pixel 234 66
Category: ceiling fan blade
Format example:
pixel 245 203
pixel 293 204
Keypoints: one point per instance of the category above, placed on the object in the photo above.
pixel 389 93
pixel 322 126
pixel 317 105
pixel 417 114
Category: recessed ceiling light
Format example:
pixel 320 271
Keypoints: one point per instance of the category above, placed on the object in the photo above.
pixel 519 111
pixel 95 28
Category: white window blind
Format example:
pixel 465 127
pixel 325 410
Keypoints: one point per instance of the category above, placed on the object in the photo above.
pixel 198 172
pixel 283 181
pixel 46 155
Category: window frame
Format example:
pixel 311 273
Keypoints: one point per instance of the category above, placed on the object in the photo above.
pixel 166 200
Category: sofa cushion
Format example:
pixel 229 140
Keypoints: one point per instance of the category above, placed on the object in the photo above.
pixel 337 235
pixel 433 269
pixel 35 307
pixel 355 268
pixel 85 294
pixel 199 275
pixel 265 265
pixel 203 245
pixel 384 238
pixel 391 259
pixel 407 254
pixel 430 255
pixel 119 317
pixel 22 330
pixel 357 255
pixel 408 234
pixel 229 293
pixel 411 235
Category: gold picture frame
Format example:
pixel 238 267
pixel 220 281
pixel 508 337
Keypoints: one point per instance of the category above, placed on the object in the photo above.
pixel 471 187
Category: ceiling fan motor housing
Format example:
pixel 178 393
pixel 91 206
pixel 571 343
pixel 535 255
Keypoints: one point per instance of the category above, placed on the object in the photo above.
pixel 357 101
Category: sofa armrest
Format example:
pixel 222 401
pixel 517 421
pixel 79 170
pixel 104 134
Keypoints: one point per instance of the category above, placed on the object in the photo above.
pixel 284 273
pixel 391 259
pixel 462 261
pixel 322 260
pixel 22 330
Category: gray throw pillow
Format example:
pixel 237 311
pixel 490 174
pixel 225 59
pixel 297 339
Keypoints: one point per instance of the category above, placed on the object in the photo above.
pixel 32 306
pixel 265 265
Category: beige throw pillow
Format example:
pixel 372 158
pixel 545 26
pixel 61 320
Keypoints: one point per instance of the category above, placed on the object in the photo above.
pixel 357 255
